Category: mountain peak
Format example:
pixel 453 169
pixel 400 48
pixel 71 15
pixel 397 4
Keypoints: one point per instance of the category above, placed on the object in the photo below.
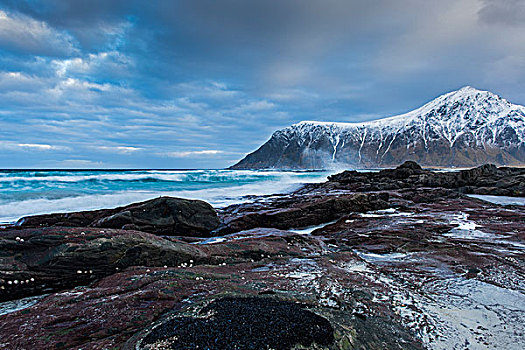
pixel 472 94
pixel 466 127
pixel 469 88
pixel 469 91
pixel 466 101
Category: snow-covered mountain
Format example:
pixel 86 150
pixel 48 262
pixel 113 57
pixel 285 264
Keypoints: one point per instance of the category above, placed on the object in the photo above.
pixel 462 128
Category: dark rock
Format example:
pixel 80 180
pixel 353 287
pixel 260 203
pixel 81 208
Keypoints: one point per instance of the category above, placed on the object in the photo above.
pixel 385 279
pixel 163 215
pixel 486 179
pixel 50 259
pixel 303 213
pixel 410 165
pixel 244 323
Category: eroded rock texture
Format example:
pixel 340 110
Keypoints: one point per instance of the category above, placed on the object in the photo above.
pixel 398 259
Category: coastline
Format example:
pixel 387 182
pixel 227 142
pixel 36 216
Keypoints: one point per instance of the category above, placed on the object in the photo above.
pixel 70 190
pixel 401 257
pixel 37 192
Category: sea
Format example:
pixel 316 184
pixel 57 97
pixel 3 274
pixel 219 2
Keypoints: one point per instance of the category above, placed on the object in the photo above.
pixel 31 192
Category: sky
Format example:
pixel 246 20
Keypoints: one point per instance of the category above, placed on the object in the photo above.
pixel 201 83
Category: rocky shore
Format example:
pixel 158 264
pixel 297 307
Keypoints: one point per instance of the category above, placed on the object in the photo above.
pixel 402 258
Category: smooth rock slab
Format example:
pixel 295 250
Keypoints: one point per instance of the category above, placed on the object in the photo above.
pixel 303 212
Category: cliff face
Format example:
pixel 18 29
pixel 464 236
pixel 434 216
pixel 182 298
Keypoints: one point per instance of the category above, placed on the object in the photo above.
pixel 463 128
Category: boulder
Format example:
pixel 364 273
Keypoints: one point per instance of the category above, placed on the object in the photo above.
pixel 166 216
pixel 485 179
pixel 163 216
pixel 35 261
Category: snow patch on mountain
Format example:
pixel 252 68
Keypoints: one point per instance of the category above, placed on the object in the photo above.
pixel 467 127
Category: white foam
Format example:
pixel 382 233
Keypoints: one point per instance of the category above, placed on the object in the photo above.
pixel 217 196
pixel 162 175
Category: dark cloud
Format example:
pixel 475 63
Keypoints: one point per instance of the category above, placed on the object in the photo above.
pixel 504 12
pixel 158 81
pixel 22 34
pixel 92 22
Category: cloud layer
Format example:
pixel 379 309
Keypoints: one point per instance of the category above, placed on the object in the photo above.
pixel 191 84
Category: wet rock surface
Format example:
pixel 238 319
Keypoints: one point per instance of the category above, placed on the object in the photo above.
pixel 243 323
pixel 163 215
pixel 36 261
pixel 397 266
pixel 486 179
pixel 288 212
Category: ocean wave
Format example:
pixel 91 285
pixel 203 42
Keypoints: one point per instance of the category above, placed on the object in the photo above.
pixel 211 176
pixel 218 196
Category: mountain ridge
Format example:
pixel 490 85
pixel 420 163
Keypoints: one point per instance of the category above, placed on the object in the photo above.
pixel 462 128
